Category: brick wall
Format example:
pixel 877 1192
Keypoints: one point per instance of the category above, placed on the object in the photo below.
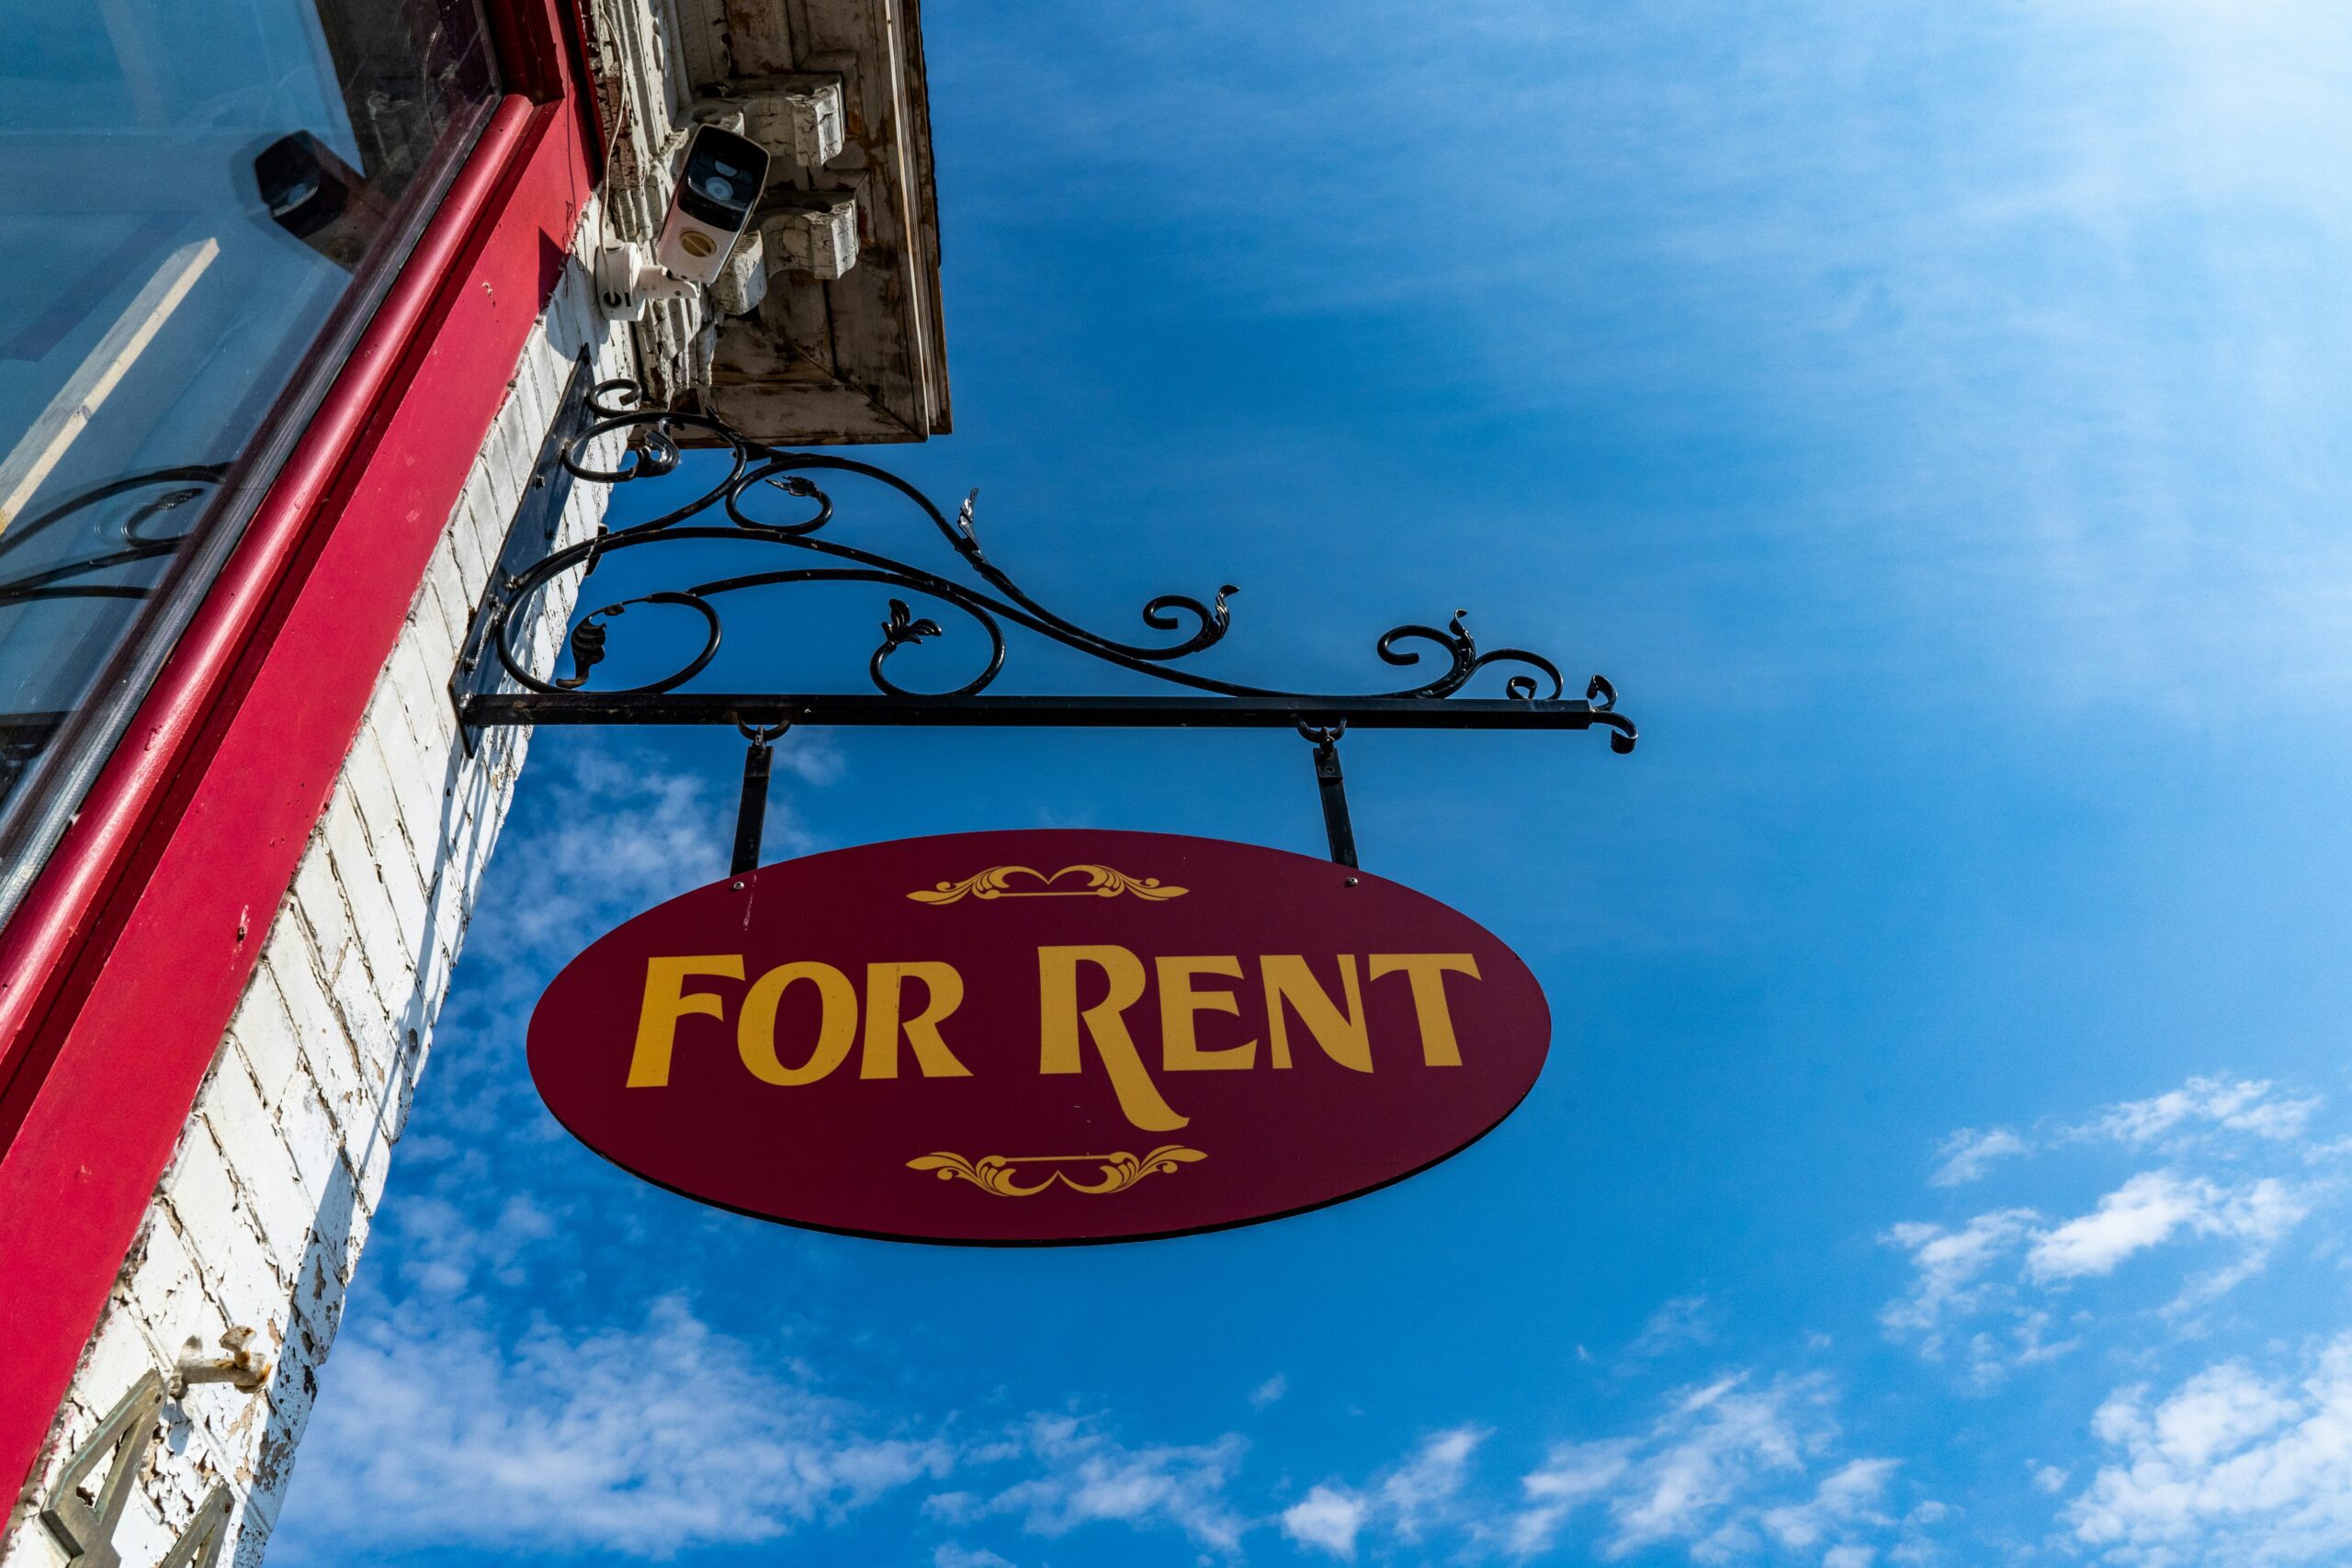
pixel 262 1214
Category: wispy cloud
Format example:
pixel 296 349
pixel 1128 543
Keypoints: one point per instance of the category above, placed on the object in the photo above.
pixel 953 1556
pixel 1713 1474
pixel 1969 1154
pixel 442 1433
pixel 2210 1114
pixel 1948 1268
pixel 1088 1476
pixel 446 1244
pixel 1921 252
pixel 2203 1106
pixel 1573 1475
pixel 1422 1490
pixel 1846 1496
pixel 616 831
pixel 1682 1322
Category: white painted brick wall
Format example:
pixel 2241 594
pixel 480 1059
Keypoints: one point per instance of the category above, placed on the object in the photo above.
pixel 260 1217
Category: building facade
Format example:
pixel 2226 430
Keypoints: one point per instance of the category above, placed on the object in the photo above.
pixel 325 278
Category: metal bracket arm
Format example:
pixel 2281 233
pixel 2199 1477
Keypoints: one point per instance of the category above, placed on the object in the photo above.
pixel 981 599
pixel 493 708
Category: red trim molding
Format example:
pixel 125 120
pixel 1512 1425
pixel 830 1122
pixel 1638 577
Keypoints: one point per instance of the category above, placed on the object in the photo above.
pixel 119 971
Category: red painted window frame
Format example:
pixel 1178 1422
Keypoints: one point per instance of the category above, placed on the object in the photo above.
pixel 120 969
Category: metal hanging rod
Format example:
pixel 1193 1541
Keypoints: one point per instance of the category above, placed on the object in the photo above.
pixel 983 600
pixel 1048 713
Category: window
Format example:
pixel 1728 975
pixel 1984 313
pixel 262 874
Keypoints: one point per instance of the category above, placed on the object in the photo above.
pixel 198 205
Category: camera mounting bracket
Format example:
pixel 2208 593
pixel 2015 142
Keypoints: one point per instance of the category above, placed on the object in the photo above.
pixel 628 279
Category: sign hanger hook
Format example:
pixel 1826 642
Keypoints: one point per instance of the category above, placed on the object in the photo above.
pixel 752 814
pixel 1333 787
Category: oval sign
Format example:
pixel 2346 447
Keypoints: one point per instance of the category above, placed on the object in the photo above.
pixel 1038 1037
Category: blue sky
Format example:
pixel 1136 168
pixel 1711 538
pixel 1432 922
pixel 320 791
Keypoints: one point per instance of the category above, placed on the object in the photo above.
pixel 1931 419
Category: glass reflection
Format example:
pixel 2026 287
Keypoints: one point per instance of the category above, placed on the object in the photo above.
pixel 196 203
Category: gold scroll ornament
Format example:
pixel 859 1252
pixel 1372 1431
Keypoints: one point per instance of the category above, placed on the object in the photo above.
pixel 1021 882
pixel 994 1173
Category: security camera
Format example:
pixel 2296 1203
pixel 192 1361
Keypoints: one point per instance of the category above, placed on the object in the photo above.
pixel 713 203
pixel 708 211
pixel 320 199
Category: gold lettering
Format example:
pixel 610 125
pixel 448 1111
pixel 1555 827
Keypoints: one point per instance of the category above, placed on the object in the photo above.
pixel 836 1029
pixel 1346 1037
pixel 1426 971
pixel 665 1003
pixel 1180 1040
pixel 1060 1020
pixel 944 993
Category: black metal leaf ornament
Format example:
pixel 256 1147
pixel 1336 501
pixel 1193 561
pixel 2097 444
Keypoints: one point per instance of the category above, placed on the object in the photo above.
pixel 902 628
pixel 587 648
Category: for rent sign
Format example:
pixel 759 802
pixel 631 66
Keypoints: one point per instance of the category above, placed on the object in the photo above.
pixel 1038 1037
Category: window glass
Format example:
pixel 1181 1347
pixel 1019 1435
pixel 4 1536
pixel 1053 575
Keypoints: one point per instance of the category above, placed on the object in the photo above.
pixel 197 205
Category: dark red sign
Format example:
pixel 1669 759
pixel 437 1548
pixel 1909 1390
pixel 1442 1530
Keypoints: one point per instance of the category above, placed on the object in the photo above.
pixel 1038 1037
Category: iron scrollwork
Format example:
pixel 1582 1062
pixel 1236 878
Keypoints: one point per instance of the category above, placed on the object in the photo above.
pixel 758 474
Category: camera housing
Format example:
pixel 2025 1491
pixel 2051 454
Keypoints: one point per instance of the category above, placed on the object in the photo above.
pixel 712 205
pixel 320 199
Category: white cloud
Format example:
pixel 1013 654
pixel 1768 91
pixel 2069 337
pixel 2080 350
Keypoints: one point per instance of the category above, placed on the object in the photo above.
pixel 1572 1475
pixel 1711 1475
pixel 1949 1264
pixel 1968 1154
pixel 443 1243
pixel 2203 1105
pixel 2233 1470
pixel 2201 1110
pixel 645 1440
pixel 953 1556
pixel 954 1507
pixel 1423 1488
pixel 616 831
pixel 2017 1269
pixel 1409 1501
pixel 1269 1391
pixel 1713 1451
pixel 1680 1322
pixel 2023 1341
pixel 2150 1210
pixel 1328 1518
pixel 1089 1476
pixel 1845 1496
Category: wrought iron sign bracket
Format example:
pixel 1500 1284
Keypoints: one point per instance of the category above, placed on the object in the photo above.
pixel 539 515
pixel 496 685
